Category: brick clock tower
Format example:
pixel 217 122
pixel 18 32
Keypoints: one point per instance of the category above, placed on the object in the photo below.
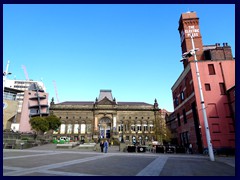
pixel 189 24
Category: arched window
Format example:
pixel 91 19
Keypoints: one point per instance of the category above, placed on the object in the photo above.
pixel 145 126
pixel 151 127
pixel 62 129
pixel 133 127
pixel 83 127
pixel 89 127
pixel 139 127
pixel 69 129
pixel 105 120
pixel 120 127
pixel 76 128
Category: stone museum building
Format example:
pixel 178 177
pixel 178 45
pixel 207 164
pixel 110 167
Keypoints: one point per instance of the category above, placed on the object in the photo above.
pixel 106 118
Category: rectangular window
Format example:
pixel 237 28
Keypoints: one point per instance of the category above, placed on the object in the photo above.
pixel 145 127
pixel 126 127
pixel 182 96
pixel 212 110
pixel 216 143
pixel 151 127
pixel 207 87
pixel 176 101
pixel 231 128
pixel 215 128
pixel 184 116
pixel 222 88
pixel 120 127
pixel 139 128
pixel 227 109
pixel 178 117
pixel 211 69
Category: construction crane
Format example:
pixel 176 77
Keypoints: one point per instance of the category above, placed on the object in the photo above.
pixel 55 87
pixel 25 72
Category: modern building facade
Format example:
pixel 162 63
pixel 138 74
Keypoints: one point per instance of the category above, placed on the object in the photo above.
pixel 22 85
pixel 35 103
pixel 107 118
pixel 217 73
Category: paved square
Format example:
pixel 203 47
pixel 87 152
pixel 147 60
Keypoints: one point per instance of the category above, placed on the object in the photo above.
pixel 74 162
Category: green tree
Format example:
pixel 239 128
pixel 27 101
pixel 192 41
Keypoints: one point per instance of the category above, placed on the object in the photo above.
pixel 162 133
pixel 53 121
pixel 43 124
pixel 39 124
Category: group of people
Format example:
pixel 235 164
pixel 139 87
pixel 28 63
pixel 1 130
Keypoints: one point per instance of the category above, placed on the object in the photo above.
pixel 104 146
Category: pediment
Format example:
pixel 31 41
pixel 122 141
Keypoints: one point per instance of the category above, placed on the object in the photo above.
pixel 106 101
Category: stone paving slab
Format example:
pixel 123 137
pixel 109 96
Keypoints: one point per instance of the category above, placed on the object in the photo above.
pixel 20 153
pixel 110 166
pixel 195 167
pixel 44 159
pixel 41 174
pixel 47 161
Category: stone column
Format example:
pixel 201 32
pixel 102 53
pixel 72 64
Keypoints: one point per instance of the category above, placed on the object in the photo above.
pixel 96 124
pixel 66 126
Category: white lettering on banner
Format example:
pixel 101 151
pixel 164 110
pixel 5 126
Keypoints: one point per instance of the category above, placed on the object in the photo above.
pixel 192 30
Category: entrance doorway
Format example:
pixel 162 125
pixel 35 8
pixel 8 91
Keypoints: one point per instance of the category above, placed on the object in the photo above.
pixel 105 128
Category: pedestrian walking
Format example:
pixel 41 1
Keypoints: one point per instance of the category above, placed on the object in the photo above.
pixel 106 146
pixel 154 148
pixel 101 145
pixel 190 149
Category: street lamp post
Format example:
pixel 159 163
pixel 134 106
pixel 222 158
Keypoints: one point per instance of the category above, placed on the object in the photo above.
pixel 5 73
pixel 208 137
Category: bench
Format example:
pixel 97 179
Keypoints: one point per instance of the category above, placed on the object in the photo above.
pixel 67 145
pixel 87 146
pixel 64 146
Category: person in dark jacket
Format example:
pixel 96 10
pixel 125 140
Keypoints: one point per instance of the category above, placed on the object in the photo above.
pixel 101 145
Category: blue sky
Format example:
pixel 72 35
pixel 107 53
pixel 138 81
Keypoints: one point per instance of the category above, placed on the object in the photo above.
pixel 134 50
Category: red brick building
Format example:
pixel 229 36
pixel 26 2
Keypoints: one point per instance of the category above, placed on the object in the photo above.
pixel 217 73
